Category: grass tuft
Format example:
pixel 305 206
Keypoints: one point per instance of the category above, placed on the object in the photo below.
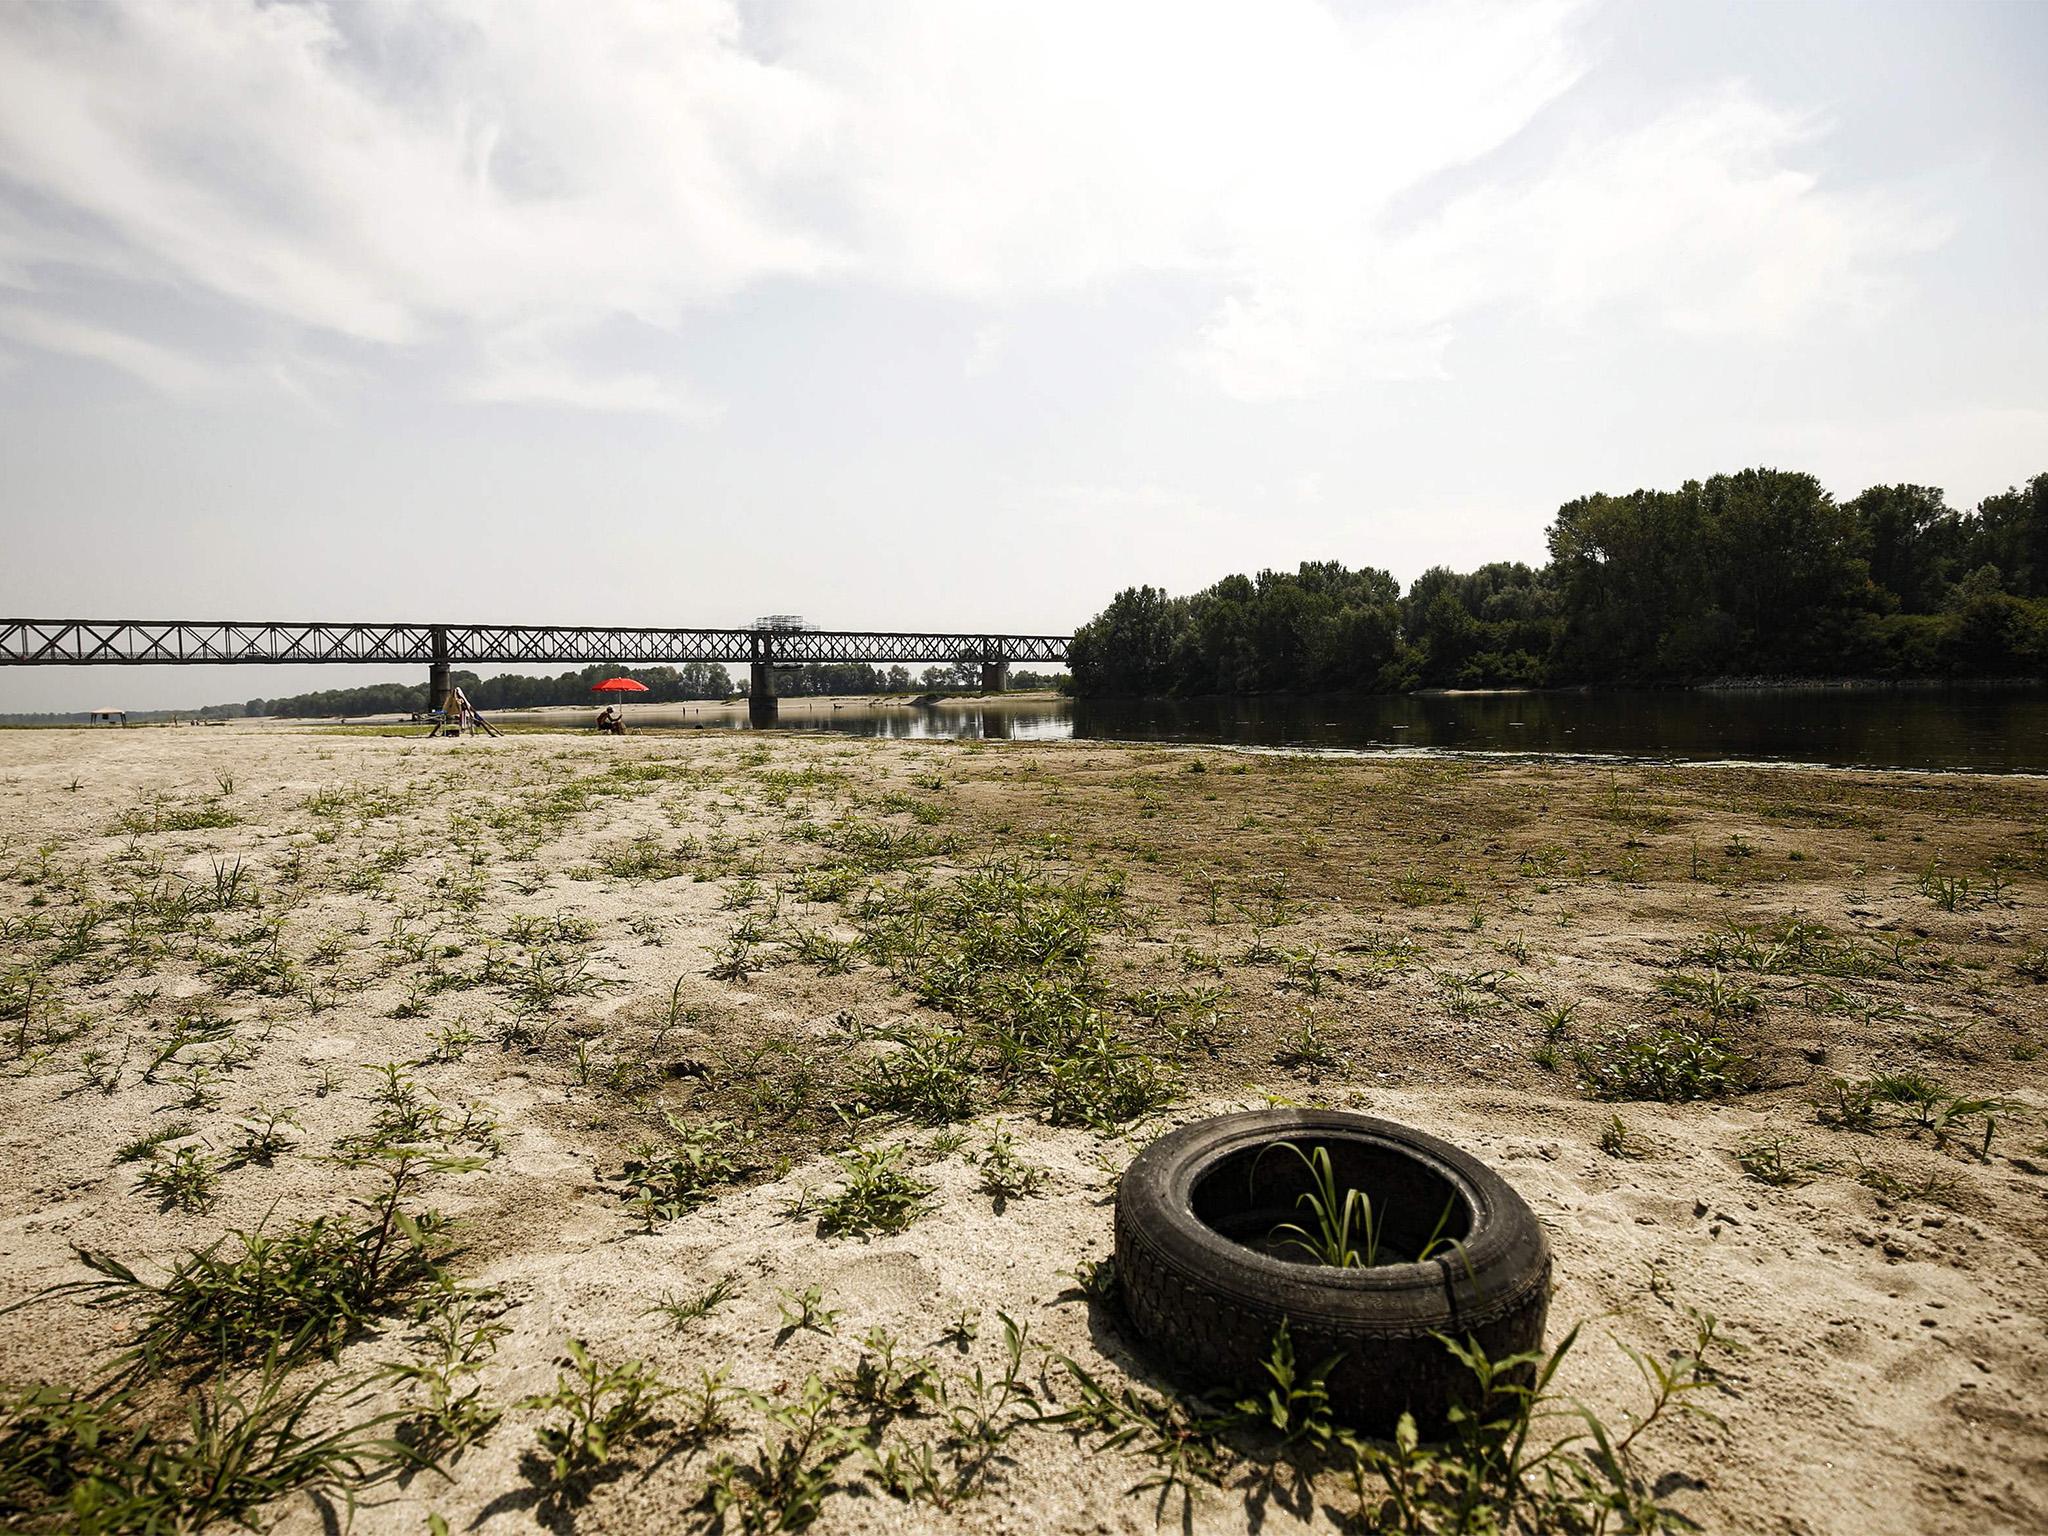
pixel 305 1289
pixel 1674 1063
pixel 876 1193
pixel 98 1463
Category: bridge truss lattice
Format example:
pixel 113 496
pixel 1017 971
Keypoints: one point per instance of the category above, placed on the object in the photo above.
pixel 140 642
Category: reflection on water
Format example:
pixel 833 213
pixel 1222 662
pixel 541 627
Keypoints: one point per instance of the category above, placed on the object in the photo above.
pixel 969 719
pixel 1049 721
pixel 1986 729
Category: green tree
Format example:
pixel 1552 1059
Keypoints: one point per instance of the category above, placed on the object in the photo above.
pixel 1490 628
pixel 1756 571
pixel 2012 534
pixel 1129 648
pixel 1913 542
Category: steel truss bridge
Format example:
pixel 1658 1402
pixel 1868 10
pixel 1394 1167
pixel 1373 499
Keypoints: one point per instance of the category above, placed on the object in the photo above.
pixel 95 642
pixel 139 642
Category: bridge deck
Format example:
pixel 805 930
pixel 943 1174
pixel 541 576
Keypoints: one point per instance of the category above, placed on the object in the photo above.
pixel 134 642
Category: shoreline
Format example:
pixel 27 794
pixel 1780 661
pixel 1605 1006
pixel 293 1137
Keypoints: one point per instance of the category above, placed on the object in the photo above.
pixel 1364 726
pixel 69 720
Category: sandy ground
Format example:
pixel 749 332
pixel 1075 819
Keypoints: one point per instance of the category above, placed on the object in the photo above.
pixel 1424 919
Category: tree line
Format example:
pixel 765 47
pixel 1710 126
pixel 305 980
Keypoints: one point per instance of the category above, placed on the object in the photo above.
pixel 664 684
pixel 1756 574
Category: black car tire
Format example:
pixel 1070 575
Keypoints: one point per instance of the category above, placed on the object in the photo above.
pixel 1191 1207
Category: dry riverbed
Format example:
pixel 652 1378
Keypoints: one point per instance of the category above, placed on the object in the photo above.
pixel 810 1063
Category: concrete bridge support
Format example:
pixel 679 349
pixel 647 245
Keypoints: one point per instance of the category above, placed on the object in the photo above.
pixel 437 669
pixel 761 706
pixel 995 674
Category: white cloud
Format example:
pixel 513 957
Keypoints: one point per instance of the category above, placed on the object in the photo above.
pixel 543 382
pixel 1699 217
pixel 158 367
pixel 383 171
pixel 483 172
pixel 986 347
pixel 1695 221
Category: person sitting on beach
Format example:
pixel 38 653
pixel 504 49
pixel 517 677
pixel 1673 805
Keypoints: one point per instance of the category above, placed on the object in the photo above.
pixel 610 719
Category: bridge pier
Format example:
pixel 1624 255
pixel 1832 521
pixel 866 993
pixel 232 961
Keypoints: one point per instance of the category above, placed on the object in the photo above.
pixel 437 668
pixel 761 706
pixel 995 674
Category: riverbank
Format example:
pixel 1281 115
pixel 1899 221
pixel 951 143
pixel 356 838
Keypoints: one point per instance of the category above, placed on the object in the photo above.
pixel 1876 684
pixel 647 988
pixel 792 711
pixel 729 711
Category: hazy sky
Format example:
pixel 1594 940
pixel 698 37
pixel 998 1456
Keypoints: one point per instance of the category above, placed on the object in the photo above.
pixel 964 315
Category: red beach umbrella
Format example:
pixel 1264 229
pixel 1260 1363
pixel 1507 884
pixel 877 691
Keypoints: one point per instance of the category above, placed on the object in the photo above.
pixel 614 686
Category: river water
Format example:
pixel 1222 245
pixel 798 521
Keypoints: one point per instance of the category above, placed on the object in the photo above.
pixel 1979 729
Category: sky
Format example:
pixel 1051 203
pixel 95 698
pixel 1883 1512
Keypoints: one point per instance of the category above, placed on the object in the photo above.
pixel 963 315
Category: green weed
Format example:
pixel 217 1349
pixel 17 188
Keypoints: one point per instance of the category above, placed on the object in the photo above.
pixel 1618 1141
pixel 1103 1082
pixel 876 1193
pixel 305 1289
pixel 462 1333
pixel 1675 1063
pixel 1960 893
pixel 1178 1438
pixel 1295 1404
pixel 1915 1103
pixel 665 1179
pixel 805 1312
pixel 785 1486
pixel 1309 1052
pixel 266 1136
pixel 1716 995
pixel 1005 1175
pixel 1778 1161
pixel 1797 946
pixel 645 858
pixel 136 1151
pixel 1502 1470
pixel 100 1462
pixel 186 1180
pixel 1935 1187
pixel 831 956
pixel 885 1385
pixel 603 1409
pixel 683 1311
pixel 1347 1231
pixel 929 1077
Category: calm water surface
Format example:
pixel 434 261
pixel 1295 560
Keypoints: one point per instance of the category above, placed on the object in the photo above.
pixel 1982 729
pixel 1988 730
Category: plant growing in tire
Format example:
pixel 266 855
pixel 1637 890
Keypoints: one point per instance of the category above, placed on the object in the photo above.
pixel 1412 1242
pixel 1346 1235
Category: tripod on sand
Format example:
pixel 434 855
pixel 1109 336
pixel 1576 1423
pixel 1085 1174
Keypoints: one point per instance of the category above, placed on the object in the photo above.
pixel 458 715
